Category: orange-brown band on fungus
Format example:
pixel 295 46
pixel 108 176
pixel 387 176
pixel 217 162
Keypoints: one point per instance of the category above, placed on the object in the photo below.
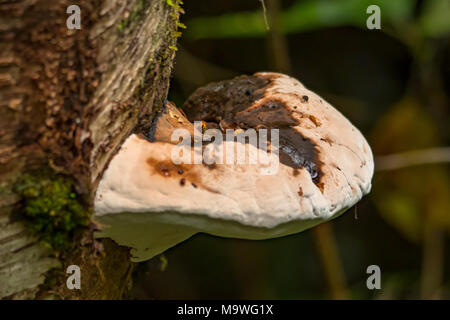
pixel 181 172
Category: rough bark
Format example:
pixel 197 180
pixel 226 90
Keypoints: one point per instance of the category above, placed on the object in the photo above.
pixel 68 99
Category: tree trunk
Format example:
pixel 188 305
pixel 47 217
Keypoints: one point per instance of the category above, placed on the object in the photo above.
pixel 68 99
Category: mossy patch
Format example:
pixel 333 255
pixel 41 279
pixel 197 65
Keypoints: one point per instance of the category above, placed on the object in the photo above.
pixel 51 208
pixel 176 4
pixel 177 11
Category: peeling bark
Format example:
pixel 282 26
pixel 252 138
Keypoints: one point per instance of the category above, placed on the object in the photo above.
pixel 68 99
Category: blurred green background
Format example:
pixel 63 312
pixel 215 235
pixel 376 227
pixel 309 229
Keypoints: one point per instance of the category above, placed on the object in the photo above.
pixel 393 84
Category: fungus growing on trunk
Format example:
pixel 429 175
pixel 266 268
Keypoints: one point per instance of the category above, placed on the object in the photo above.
pixel 150 201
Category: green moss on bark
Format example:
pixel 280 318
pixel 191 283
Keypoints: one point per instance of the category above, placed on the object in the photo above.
pixel 51 208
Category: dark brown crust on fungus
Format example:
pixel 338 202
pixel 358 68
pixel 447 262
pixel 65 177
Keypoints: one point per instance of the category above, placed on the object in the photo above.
pixel 243 103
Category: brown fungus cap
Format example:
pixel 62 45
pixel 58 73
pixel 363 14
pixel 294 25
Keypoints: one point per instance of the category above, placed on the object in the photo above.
pixel 148 202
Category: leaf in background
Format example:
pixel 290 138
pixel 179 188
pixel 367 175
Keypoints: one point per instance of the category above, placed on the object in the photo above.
pixel 301 16
pixel 405 197
pixel 435 19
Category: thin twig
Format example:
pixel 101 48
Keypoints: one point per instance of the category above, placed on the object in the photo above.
pixel 265 14
pixel 412 158
pixel 330 261
pixel 432 261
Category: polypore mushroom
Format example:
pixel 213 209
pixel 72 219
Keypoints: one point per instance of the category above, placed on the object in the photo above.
pixel 149 202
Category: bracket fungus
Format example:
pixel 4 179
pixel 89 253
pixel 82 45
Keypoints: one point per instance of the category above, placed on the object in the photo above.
pixel 149 202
